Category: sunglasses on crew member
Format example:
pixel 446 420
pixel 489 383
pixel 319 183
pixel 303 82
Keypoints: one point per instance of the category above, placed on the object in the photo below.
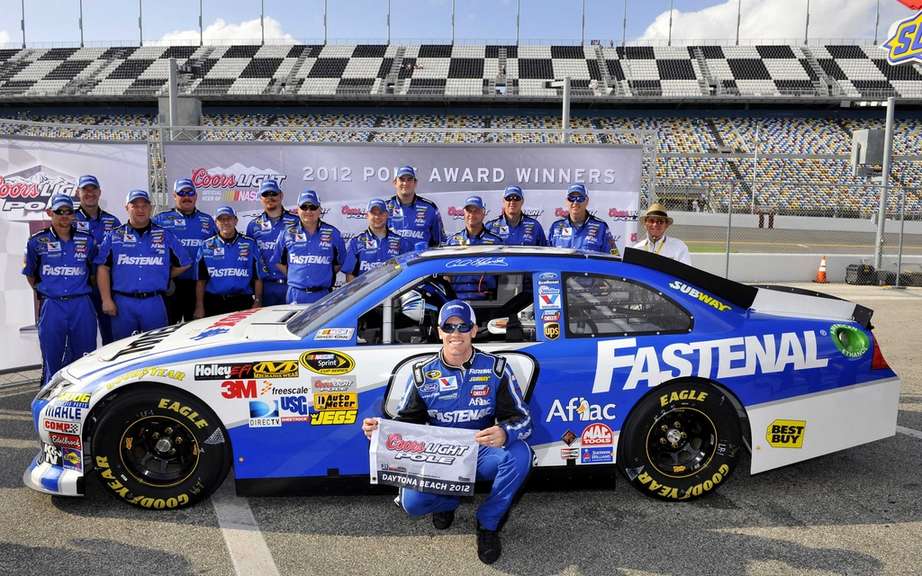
pixel 513 198
pixel 462 327
pixel 185 192
pixel 64 212
pixel 309 207
pixel 270 194
pixel 576 199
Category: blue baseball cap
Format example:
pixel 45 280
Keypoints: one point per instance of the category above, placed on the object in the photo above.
pixel 87 180
pixel 474 201
pixel 577 192
pixel 269 186
pixel 514 191
pixel 458 308
pixel 224 211
pixel 183 184
pixel 59 201
pixel 138 195
pixel 376 203
pixel 308 197
pixel 406 171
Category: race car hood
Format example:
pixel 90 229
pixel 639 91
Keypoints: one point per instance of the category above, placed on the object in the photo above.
pixel 258 324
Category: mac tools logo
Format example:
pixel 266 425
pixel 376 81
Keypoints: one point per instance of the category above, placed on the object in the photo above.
pixel 235 183
pixel 25 195
pixel 905 46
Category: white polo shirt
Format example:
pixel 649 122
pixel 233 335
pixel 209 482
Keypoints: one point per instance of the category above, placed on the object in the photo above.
pixel 667 246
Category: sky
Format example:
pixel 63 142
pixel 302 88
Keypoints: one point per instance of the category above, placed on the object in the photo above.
pixel 115 22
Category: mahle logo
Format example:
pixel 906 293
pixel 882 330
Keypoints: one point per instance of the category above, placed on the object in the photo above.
pixel 905 45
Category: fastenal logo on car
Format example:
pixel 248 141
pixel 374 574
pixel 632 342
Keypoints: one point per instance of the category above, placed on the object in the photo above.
pixel 906 43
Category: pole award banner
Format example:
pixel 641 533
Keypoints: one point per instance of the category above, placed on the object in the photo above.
pixel 31 171
pixel 430 459
pixel 346 176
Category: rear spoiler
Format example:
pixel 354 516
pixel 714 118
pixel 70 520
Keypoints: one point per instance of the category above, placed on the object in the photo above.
pixel 777 300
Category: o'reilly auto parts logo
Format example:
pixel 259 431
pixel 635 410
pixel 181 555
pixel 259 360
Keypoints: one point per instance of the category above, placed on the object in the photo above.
pixel 26 194
pixel 327 362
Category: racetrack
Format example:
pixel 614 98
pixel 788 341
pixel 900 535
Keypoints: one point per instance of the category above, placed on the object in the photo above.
pixel 854 512
pixel 714 239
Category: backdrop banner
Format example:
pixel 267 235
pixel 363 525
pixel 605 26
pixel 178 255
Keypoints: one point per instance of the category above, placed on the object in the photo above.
pixel 31 170
pixel 346 176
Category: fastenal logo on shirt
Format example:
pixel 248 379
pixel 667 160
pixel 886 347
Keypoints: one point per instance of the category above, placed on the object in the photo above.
pixel 140 260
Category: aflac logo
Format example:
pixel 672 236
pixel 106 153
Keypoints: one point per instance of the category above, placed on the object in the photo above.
pixel 906 43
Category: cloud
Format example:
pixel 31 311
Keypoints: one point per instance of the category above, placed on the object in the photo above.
pixel 774 20
pixel 223 32
pixel 4 37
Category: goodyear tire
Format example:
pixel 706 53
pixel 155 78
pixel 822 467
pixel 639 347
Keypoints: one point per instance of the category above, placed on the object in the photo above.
pixel 159 448
pixel 680 442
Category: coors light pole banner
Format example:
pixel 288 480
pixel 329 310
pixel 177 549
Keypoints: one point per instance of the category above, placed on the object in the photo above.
pixel 347 175
pixel 31 171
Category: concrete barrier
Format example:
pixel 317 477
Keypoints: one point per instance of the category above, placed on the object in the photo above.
pixel 793 222
pixel 792 267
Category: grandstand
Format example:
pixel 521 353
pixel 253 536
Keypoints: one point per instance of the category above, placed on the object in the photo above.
pixel 769 125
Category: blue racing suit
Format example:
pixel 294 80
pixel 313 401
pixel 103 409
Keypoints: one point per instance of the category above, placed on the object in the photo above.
pixel 593 235
pixel 98 227
pixel 366 251
pixel 61 270
pixel 474 286
pixel 265 231
pixel 191 231
pixel 229 269
pixel 139 262
pixel 528 232
pixel 477 395
pixel 312 260
pixel 418 221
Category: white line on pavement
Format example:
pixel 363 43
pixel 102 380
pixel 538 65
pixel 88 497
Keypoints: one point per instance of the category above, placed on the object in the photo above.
pixel 245 543
pixel 17 444
pixel 5 415
pixel 909 432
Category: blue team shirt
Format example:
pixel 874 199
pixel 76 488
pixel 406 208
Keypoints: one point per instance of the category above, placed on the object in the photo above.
pixel 528 232
pixel 418 221
pixel 98 227
pixel 190 230
pixel 367 251
pixel 228 266
pixel 266 232
pixel 310 257
pixel 474 286
pixel 593 235
pixel 140 260
pixel 61 268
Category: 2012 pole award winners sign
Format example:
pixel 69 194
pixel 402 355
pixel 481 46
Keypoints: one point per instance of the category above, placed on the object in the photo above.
pixel 424 458
pixel 347 175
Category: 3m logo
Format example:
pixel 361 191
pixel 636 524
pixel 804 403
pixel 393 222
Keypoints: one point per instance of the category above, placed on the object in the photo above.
pixel 239 389
pixel 786 433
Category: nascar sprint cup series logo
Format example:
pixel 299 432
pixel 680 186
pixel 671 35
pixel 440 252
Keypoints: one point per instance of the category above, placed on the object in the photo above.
pixel 24 195
pixel 905 45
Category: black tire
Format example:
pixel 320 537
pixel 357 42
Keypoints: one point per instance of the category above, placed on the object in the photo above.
pixel 160 448
pixel 681 441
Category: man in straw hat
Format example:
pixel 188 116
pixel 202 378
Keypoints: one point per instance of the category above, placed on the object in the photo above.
pixel 656 221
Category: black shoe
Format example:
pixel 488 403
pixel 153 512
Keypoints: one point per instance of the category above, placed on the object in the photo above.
pixel 489 546
pixel 443 520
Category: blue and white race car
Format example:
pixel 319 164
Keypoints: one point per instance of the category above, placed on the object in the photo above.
pixel 660 369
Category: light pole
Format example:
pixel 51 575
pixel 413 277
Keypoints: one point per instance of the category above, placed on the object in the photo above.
pixel 22 23
pixel 80 21
pixel 582 35
pixel 739 11
pixel 201 31
pixel 807 24
pixel 624 26
pixel 671 3
pixel 262 22
pixel 518 15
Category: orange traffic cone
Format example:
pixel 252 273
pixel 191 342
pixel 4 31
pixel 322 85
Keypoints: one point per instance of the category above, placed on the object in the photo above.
pixel 821 273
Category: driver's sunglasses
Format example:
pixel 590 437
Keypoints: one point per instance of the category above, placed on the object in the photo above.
pixel 185 192
pixel 309 207
pixel 513 198
pixel 462 327
pixel 270 194
pixel 64 212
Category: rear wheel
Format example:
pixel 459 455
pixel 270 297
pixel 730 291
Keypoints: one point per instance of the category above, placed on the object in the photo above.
pixel 681 441
pixel 160 448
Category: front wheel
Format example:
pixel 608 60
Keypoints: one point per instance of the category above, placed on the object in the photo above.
pixel 160 448
pixel 681 441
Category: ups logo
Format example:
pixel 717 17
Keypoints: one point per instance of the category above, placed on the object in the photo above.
pixel 552 330
pixel 276 369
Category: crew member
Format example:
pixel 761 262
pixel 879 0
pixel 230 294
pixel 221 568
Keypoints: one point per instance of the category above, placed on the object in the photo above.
pixel 414 217
pixel 474 286
pixel 134 267
pixel 97 222
pixel 580 229
pixel 503 423
pixel 656 221
pixel 311 254
pixel 191 226
pixel 58 266
pixel 265 229
pixel 228 269
pixel 514 226
pixel 374 246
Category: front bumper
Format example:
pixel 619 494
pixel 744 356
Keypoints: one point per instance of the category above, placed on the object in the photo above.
pixel 53 478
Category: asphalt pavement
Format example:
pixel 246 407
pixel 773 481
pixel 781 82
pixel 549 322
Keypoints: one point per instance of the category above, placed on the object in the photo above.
pixel 854 512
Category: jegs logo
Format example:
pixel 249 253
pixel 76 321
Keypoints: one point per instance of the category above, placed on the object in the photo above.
pixel 27 193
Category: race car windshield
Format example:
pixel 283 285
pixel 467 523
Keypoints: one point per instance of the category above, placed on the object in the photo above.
pixel 341 299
